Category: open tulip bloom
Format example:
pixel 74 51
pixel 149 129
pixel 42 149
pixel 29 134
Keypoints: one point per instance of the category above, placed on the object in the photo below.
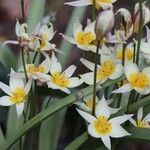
pixel 16 93
pixel 87 104
pixel 139 81
pixel 108 69
pixel 141 122
pixel 84 39
pixel 33 70
pixel 100 126
pixel 58 79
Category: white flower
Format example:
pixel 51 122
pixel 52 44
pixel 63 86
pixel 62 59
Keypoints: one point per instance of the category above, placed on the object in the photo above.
pixel 33 70
pixel 84 39
pixel 99 3
pixel 58 79
pixel 141 122
pixel 103 127
pixel 129 52
pixel 108 69
pixel 16 93
pixel 41 37
pixel 139 81
pixel 87 104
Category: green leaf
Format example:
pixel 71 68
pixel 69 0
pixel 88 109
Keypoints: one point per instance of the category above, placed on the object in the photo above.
pixel 13 125
pixel 77 142
pixel 2 138
pixel 7 58
pixel 35 14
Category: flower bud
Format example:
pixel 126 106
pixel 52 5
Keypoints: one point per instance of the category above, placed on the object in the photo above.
pixel 104 22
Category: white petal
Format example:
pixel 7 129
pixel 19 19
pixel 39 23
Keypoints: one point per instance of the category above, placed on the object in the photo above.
pixel 5 88
pixel 46 64
pixel 88 64
pixel 88 78
pixel 17 27
pixel 4 101
pixel 58 51
pixel 140 114
pixel 129 69
pixel 117 72
pixel 102 108
pixel 86 116
pixel 113 110
pixel 64 89
pixel 106 141
pixel 90 28
pixel 19 108
pixel 123 89
pixel 147 118
pixel 28 86
pixel 10 42
pixel 133 122
pixel 147 72
pixel 143 91
pixel 77 27
pixel 74 82
pixel 69 71
pixel 118 131
pixel 15 82
pixel 120 119
pixel 92 131
pixel 55 65
pixel 79 3
pixel 148 34
pixel 69 39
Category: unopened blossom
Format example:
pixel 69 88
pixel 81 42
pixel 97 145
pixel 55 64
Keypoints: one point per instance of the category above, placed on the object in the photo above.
pixel 84 39
pixel 109 69
pixel 16 93
pixel 100 126
pixel 141 122
pixel 58 79
pixel 99 3
pixel 104 22
pixel 33 70
pixel 87 104
pixel 137 80
pixel 136 17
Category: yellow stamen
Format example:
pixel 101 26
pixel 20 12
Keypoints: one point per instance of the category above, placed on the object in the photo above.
pixel 142 124
pixel 18 95
pixel 102 126
pixel 33 69
pixel 85 38
pixel 107 69
pixel 139 80
pixel 128 54
pixel 60 79
pixel 101 1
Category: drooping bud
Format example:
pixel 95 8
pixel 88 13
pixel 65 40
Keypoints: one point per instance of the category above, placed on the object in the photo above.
pixel 104 22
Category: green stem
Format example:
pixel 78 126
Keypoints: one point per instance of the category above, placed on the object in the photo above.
pixel 34 58
pixel 95 76
pixel 24 63
pixel 94 10
pixel 140 33
pixel 134 53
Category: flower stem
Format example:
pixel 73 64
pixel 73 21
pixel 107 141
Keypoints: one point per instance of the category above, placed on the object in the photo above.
pixel 34 58
pixel 140 33
pixel 95 76
pixel 94 10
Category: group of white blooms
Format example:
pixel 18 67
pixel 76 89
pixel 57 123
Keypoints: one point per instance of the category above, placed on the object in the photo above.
pixel 109 68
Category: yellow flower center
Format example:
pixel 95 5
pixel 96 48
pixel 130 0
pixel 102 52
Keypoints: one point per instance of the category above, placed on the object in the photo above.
pixel 128 54
pixel 33 69
pixel 101 1
pixel 102 126
pixel 85 38
pixel 44 36
pixel 60 79
pixel 107 68
pixel 142 124
pixel 139 80
pixel 18 95
pixel 89 103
